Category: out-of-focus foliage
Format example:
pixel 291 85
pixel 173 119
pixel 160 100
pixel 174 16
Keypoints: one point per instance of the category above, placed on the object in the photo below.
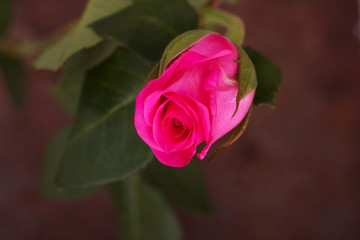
pixel 67 90
pixel 13 73
pixel 6 8
pixel 80 36
pixel 143 213
pixel 184 187
pixel 12 69
pixel 54 152
pixel 147 27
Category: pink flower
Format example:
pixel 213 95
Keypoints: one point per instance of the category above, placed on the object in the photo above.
pixel 192 101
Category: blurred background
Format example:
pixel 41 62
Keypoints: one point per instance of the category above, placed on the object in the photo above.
pixel 294 174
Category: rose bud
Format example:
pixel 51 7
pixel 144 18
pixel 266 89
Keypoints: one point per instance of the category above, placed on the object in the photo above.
pixel 194 98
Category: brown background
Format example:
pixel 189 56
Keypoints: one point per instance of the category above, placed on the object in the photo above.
pixel 293 175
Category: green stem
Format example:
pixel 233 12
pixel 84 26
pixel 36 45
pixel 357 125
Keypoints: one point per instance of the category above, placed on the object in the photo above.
pixel 235 26
pixel 125 195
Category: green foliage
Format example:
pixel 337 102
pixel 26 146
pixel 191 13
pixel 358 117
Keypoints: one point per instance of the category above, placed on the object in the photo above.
pixel 184 187
pixel 13 73
pixel 269 78
pixel 103 145
pixel 148 25
pixel 53 156
pixel 67 90
pixel 99 85
pixel 180 44
pixel 6 8
pixel 143 214
pixel 81 36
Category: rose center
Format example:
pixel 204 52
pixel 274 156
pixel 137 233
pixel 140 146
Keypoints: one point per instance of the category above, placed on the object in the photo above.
pixel 175 128
pixel 177 123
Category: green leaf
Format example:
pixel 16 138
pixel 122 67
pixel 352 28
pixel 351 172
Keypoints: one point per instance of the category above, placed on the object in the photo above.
pixel 67 90
pixel 235 26
pixel 269 78
pixel 148 25
pixel 81 36
pixel 198 3
pixel 247 80
pixel 235 135
pixel 143 214
pixel 54 152
pixel 6 10
pixel 103 145
pixel 180 44
pixel 184 187
pixel 13 74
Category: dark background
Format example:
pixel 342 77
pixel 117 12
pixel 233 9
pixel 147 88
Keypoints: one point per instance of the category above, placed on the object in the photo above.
pixel 293 175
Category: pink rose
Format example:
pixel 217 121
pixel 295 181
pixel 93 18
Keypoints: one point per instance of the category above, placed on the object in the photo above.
pixel 192 101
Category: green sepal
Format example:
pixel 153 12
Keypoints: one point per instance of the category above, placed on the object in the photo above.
pixel 179 44
pixel 247 80
pixel 269 78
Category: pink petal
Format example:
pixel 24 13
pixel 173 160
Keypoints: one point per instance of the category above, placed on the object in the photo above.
pixel 211 45
pixel 190 82
pixel 151 104
pixel 143 125
pixel 175 159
